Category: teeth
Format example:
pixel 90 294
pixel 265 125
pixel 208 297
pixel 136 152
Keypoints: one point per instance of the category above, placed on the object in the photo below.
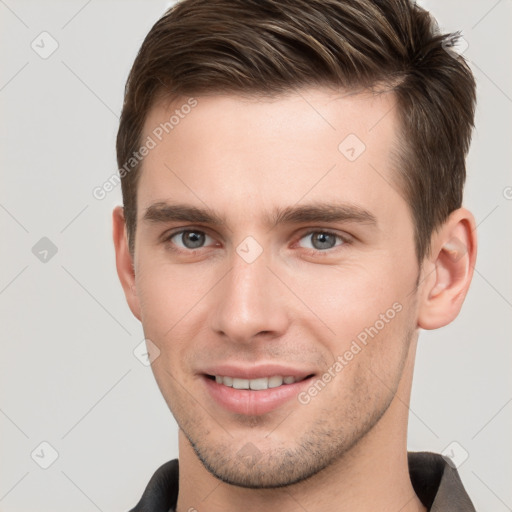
pixel 255 384
pixel 241 383
pixel 275 382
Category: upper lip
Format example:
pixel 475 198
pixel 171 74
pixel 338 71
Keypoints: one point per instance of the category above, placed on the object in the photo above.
pixel 257 371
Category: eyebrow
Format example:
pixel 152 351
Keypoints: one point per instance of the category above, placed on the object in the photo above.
pixel 165 212
pixel 162 212
pixel 322 212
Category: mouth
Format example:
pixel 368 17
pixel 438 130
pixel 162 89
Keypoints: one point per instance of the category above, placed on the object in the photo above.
pixel 258 384
pixel 255 392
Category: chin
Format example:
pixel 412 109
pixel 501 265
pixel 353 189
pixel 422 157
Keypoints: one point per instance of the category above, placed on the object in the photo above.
pixel 268 467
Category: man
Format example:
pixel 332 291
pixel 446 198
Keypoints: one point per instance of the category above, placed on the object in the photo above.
pixel 292 176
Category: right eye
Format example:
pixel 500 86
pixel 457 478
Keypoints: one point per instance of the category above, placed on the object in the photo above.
pixel 190 239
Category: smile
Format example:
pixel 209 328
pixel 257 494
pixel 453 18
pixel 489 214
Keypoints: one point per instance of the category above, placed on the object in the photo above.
pixel 251 392
pixel 258 384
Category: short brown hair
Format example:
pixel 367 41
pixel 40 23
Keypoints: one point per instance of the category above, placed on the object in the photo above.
pixel 269 47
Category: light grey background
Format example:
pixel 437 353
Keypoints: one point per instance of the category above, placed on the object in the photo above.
pixel 68 375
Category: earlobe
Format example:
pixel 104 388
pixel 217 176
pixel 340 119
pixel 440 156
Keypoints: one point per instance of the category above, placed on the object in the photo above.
pixel 452 260
pixel 124 261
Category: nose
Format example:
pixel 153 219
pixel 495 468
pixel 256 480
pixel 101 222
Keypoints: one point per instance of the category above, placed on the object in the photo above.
pixel 249 303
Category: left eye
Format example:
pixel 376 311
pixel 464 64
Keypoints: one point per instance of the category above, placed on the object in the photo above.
pixel 191 239
pixel 321 240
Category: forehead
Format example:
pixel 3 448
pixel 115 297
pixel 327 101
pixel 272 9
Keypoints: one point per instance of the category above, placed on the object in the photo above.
pixel 258 153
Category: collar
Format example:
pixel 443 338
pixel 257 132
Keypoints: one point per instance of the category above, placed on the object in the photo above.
pixel 435 481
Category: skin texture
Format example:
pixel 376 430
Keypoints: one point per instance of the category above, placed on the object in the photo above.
pixel 296 305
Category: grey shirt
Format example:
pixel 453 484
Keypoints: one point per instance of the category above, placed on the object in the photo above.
pixel 435 481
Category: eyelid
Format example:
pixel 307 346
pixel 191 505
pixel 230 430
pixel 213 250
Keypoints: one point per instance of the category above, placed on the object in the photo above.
pixel 168 235
pixel 344 237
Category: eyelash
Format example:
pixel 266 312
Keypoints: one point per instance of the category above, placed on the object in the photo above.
pixel 345 239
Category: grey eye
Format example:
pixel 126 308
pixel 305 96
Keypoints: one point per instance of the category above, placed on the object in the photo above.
pixel 190 239
pixel 321 240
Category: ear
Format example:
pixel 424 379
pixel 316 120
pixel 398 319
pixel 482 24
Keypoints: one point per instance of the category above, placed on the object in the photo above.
pixel 124 261
pixel 448 270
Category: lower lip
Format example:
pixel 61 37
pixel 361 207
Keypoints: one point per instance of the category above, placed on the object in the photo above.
pixel 251 403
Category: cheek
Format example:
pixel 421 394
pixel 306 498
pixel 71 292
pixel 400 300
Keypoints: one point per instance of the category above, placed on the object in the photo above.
pixel 171 302
pixel 351 297
pixel 168 304
pixel 166 292
pixel 367 368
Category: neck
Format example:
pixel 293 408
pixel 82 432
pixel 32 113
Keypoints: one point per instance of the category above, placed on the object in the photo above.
pixel 373 475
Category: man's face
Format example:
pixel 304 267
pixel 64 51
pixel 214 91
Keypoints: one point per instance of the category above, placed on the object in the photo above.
pixel 299 251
